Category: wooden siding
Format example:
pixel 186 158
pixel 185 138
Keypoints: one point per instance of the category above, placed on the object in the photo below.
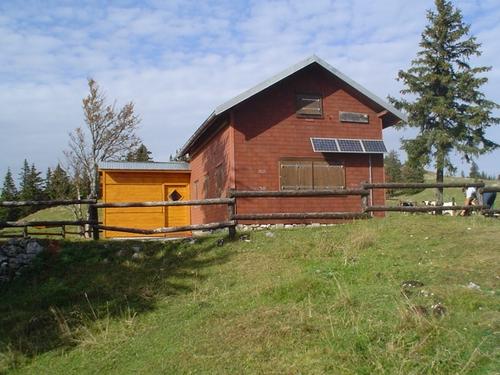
pixel 140 186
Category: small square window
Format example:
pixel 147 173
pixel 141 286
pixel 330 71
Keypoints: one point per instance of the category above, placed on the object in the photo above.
pixel 309 105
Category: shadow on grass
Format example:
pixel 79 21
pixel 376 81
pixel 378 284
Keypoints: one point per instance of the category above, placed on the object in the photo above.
pixel 86 282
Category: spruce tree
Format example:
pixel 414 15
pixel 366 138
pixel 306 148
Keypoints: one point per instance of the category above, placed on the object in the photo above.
pixel 444 94
pixel 47 187
pixel 9 193
pixel 60 185
pixel 474 171
pixel 392 166
pixel 412 172
pixel 31 187
pixel 141 153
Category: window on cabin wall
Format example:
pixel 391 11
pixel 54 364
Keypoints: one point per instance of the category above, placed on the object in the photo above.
pixel 311 175
pixel 309 105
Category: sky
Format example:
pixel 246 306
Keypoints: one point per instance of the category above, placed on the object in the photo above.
pixel 178 60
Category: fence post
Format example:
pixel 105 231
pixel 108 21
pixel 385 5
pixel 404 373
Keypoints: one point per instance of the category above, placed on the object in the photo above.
pixel 480 196
pixel 231 210
pixel 364 199
pixel 94 218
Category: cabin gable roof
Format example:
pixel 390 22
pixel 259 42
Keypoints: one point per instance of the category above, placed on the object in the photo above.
pixel 391 111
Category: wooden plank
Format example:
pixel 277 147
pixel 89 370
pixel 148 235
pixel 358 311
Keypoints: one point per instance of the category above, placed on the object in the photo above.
pixel 200 202
pixel 397 185
pixel 354 117
pixel 298 193
pixel 301 215
pixel 46 203
pixel 328 176
pixel 223 224
pixel 421 208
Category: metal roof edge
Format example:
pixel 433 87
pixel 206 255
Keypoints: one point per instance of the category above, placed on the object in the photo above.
pixel 144 166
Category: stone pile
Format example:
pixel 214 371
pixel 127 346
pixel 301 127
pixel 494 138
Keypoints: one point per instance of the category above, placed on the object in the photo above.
pixel 15 257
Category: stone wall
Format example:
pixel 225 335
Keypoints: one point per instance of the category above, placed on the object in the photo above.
pixel 15 257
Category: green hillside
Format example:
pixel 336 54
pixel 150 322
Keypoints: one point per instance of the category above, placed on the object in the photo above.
pixel 326 300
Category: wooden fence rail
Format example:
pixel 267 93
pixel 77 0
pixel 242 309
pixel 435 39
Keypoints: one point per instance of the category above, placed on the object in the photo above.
pixel 297 193
pixel 43 223
pixel 47 203
pixel 301 215
pixel 223 224
pixel 422 185
pixel 201 202
pixel 422 208
pixel 490 189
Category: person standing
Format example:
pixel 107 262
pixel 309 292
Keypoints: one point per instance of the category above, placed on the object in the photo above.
pixel 470 199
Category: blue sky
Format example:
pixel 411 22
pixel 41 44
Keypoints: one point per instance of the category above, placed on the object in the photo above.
pixel 177 60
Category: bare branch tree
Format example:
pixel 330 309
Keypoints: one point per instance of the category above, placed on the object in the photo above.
pixel 108 135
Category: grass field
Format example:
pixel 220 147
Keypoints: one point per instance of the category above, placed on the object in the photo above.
pixel 303 301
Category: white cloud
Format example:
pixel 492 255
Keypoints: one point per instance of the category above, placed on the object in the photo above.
pixel 179 60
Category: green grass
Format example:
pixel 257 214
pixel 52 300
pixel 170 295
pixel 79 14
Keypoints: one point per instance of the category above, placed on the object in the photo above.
pixel 305 301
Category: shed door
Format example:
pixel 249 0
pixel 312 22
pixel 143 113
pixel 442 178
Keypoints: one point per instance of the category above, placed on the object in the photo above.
pixel 176 216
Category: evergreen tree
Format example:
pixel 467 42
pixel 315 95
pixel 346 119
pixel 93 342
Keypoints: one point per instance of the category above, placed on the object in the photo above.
pixel 9 193
pixel 446 103
pixel 462 174
pixel 392 166
pixel 47 187
pixel 412 172
pixel 474 171
pixel 31 187
pixel 60 185
pixel 141 153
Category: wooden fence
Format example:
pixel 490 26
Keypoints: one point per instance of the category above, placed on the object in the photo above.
pixel 49 223
pixel 233 217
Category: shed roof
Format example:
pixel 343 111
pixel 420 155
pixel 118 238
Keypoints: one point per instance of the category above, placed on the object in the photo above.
pixel 275 79
pixel 145 166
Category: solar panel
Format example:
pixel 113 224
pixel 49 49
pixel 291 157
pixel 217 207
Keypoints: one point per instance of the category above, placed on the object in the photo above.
pixel 324 145
pixel 374 146
pixel 350 145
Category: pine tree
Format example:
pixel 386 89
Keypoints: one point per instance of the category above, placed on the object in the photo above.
pixel 448 106
pixel 9 193
pixel 47 187
pixel 60 185
pixel 412 172
pixel 31 187
pixel 474 171
pixel 462 174
pixel 392 166
pixel 140 154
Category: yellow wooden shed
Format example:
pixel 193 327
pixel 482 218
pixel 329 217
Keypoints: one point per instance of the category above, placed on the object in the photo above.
pixel 144 182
